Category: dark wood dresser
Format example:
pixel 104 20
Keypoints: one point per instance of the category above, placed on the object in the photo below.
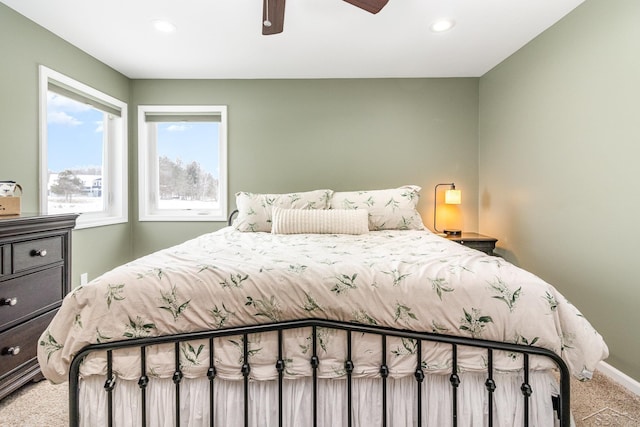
pixel 35 274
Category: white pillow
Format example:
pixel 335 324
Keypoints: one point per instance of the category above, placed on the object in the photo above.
pixel 392 209
pixel 332 221
pixel 254 210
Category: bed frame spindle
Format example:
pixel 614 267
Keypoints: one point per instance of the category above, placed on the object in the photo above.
pixel 177 379
pixel 526 389
pixel 109 384
pixel 142 383
pixel 211 376
pixel 315 362
pixel 280 369
pixel 454 379
pixel 384 373
pixel 419 374
pixel 490 385
pixel 348 366
pixel 246 370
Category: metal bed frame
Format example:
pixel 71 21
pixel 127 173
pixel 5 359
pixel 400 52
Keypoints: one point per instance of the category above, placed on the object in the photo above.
pixel 561 402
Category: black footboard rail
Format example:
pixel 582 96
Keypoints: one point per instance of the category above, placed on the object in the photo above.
pixel 561 402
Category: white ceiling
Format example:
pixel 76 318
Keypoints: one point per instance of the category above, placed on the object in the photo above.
pixel 321 38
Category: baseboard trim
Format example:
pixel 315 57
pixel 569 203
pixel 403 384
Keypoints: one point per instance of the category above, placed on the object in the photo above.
pixel 619 377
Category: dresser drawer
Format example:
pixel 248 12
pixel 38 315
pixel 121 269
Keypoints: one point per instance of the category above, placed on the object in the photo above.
pixel 26 295
pixel 19 345
pixel 36 253
pixel 5 260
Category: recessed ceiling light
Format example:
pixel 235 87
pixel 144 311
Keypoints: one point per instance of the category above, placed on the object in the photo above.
pixel 164 26
pixel 442 25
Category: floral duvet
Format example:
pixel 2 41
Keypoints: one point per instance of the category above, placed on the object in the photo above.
pixel 402 279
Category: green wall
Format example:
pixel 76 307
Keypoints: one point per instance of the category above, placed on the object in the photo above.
pixel 295 135
pixel 559 149
pixel 23 47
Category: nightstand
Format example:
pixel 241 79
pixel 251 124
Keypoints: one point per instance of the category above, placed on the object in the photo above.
pixel 477 241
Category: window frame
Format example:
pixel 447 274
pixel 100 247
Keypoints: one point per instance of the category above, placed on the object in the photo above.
pixel 148 184
pixel 115 161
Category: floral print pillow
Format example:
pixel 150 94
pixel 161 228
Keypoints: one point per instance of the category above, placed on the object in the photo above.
pixel 392 209
pixel 255 209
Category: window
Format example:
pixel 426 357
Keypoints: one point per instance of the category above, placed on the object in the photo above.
pixel 83 151
pixel 182 168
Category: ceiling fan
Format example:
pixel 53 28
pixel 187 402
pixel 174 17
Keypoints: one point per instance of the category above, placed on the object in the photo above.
pixel 273 13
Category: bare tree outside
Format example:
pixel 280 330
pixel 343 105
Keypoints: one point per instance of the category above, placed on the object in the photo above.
pixel 67 184
pixel 186 182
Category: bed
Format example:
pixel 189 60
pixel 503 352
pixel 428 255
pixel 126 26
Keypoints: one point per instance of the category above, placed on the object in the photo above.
pixel 319 308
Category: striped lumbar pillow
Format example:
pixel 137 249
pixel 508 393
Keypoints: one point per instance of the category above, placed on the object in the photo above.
pixel 316 221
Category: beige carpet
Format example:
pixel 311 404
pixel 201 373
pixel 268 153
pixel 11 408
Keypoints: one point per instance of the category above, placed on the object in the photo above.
pixel 599 402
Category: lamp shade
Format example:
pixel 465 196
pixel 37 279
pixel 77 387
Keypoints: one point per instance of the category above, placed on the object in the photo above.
pixel 453 197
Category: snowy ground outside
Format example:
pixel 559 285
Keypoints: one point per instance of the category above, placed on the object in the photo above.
pixel 80 204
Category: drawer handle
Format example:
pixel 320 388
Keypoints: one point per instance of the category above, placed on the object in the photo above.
pixel 39 252
pixel 9 301
pixel 12 351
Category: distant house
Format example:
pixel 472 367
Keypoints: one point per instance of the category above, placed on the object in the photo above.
pixel 96 187
pixel 91 184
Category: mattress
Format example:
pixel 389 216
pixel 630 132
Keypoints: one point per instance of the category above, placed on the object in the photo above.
pixel 409 279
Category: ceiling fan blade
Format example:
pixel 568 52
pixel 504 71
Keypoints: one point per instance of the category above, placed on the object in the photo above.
pixel 272 16
pixel 373 6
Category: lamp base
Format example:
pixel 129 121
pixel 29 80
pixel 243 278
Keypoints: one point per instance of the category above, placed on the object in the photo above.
pixel 453 232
